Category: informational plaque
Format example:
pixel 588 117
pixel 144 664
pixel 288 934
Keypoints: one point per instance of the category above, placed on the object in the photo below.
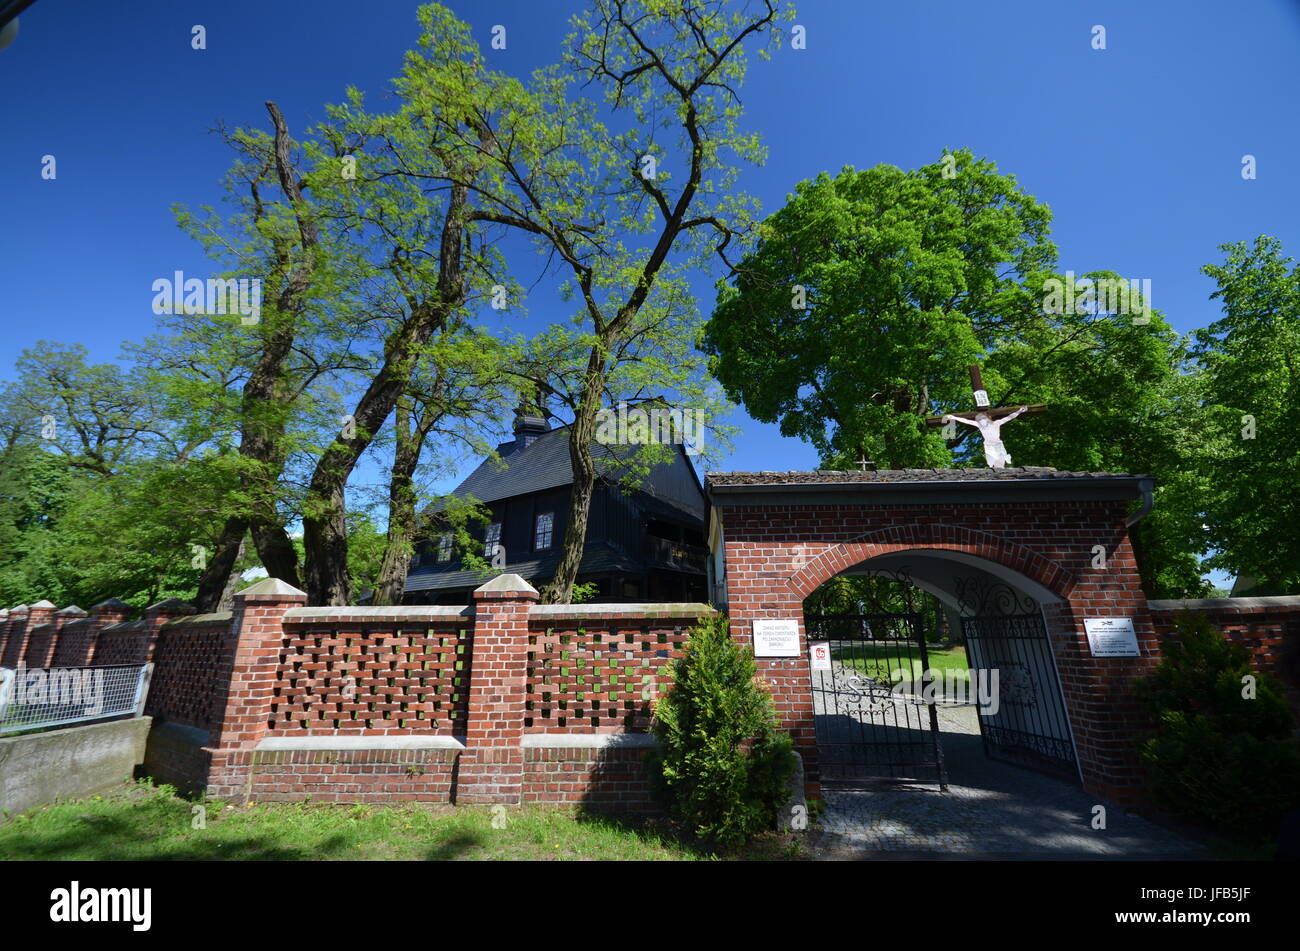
pixel 1111 637
pixel 776 637
pixel 820 654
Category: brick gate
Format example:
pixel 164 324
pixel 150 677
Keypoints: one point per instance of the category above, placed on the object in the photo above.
pixel 1061 537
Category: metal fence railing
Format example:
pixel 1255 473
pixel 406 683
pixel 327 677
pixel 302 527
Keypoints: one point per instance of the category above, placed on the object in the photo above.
pixel 33 698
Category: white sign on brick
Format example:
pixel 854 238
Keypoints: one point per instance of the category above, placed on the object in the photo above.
pixel 1111 637
pixel 776 637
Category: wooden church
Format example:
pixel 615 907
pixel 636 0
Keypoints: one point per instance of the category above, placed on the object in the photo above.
pixel 643 544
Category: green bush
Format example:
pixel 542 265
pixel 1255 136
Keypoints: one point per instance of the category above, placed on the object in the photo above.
pixel 722 767
pixel 1217 757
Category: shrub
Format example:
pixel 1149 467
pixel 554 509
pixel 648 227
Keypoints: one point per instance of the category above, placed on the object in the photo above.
pixel 722 767
pixel 1217 757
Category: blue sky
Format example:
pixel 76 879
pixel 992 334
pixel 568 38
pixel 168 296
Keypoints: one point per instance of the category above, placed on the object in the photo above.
pixel 1136 148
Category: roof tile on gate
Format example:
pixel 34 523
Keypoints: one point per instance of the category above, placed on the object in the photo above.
pixel 824 476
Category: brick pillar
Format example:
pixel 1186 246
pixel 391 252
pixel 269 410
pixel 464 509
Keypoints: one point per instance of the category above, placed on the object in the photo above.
pixel 492 767
pixel 4 632
pixel 16 639
pixel 49 643
pixel 42 612
pixel 102 615
pixel 248 669
pixel 155 616
pixel 69 643
pixel 787 678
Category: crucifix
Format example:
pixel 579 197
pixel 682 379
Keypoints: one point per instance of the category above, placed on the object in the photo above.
pixel 988 420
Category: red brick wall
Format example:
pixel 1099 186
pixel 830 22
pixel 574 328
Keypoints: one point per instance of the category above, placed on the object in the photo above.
pixel 607 780
pixel 598 673
pixel 187 655
pixel 1269 628
pixel 126 643
pixel 19 627
pixel 350 678
pixel 76 642
pixel 40 645
pixel 374 776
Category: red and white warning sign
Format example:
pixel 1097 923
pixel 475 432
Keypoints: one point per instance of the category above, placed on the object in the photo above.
pixel 820 651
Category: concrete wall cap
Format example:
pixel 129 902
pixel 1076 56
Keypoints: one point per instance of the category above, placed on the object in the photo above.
pixel 1226 604
pixel 587 741
pixel 270 586
pixel 652 609
pixel 44 604
pixel 511 583
pixel 18 609
pixel 112 604
pixel 171 606
pixel 70 611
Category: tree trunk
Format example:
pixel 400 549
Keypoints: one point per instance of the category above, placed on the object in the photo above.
pixel 401 510
pixel 560 589
pixel 227 602
pixel 217 571
pixel 324 522
pixel 263 407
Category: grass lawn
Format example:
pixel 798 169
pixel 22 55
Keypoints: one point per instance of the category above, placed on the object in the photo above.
pixel 879 660
pixel 141 821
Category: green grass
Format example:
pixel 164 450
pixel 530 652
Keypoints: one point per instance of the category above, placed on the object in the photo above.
pixel 880 660
pixel 143 822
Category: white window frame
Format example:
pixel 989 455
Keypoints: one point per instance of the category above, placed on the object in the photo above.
pixel 491 539
pixel 549 531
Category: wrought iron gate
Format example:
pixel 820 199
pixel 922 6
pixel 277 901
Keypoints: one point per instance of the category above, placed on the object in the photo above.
pixel 1029 727
pixel 866 729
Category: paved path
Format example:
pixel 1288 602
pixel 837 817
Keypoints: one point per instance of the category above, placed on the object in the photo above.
pixel 992 810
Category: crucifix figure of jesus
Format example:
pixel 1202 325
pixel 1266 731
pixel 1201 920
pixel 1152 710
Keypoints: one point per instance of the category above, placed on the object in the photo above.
pixel 995 452
pixel 988 421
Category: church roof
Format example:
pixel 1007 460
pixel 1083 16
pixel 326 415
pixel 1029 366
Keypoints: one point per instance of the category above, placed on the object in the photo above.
pixel 543 463
pixel 540 465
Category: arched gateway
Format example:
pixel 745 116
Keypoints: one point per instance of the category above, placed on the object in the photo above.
pixel 1034 565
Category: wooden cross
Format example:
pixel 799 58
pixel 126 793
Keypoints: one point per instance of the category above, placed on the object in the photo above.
pixel 982 404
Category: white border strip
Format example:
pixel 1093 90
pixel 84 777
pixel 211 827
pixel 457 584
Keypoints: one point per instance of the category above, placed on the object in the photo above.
pixel 361 743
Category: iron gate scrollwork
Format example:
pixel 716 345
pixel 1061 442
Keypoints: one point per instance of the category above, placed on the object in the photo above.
pixel 868 727
pixel 1029 727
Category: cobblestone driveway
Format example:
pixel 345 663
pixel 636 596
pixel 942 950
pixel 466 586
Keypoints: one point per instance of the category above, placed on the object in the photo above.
pixel 992 810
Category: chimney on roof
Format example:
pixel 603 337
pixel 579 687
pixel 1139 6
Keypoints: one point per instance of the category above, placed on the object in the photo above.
pixel 530 423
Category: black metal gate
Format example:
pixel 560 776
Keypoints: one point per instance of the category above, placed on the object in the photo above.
pixel 868 726
pixel 1029 727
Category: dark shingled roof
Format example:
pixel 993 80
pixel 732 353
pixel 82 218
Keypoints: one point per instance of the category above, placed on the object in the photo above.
pixel 832 477
pixel 544 464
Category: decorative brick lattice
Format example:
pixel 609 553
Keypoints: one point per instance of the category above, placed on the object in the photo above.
pixel 121 645
pixel 186 687
pixel 585 680
pixel 370 682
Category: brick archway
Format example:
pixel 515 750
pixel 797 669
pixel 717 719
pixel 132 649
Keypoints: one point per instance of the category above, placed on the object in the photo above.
pixel 936 536
pixel 778 535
